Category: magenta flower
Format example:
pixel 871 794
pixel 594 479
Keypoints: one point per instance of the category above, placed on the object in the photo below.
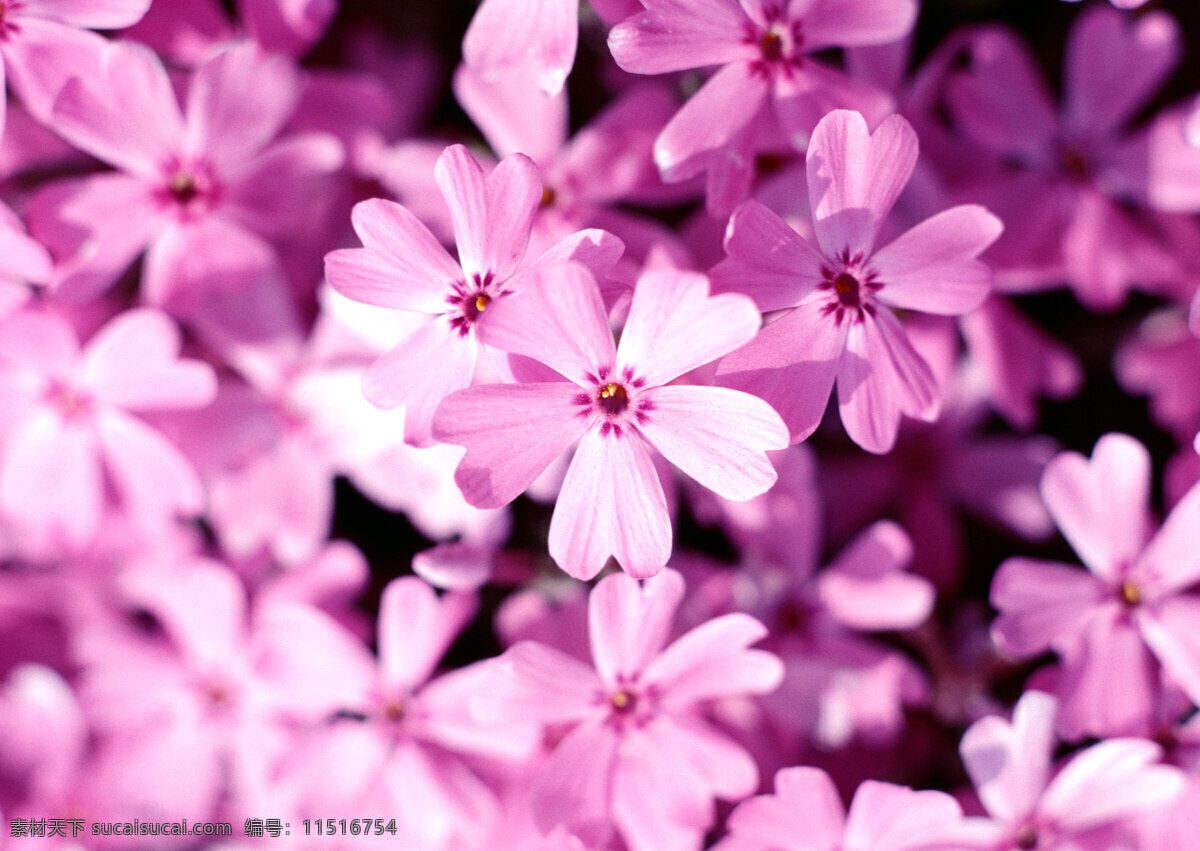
pixel 839 326
pixel 1088 803
pixel 637 755
pixel 618 403
pixel 806 814
pixel 1133 618
pixel 402 266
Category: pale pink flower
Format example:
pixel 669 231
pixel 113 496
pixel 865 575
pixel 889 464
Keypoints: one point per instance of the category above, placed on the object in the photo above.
pixel 635 754
pixel 1089 802
pixel 203 189
pixel 618 402
pixel 767 85
pixel 839 293
pixel 72 430
pixel 402 266
pixel 1128 621
pixel 806 814
pixel 539 35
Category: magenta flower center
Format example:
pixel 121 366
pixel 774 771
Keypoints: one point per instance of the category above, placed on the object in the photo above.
pixel 1026 838
pixel 613 399
pixel 778 45
pixel 624 702
pixel 71 404
pixel 470 299
pixel 851 289
pixel 1131 594
pixel 188 188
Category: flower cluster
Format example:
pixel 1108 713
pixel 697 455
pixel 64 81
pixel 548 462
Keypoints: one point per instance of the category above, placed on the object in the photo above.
pixel 643 425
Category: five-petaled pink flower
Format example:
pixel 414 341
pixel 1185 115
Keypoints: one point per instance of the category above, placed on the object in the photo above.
pixel 617 402
pixel 838 293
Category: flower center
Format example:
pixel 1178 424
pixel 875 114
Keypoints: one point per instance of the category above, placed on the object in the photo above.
pixel 771 44
pixel 1131 594
pixel 850 287
pixel 183 188
pixel 1027 838
pixel 469 300
pixel 613 399
pixel 778 45
pixel 393 711
pixel 1075 162
pixel 624 702
pixel 188 188
pixel 549 196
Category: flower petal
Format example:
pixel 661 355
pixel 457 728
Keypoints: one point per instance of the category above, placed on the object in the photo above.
pixel 511 433
pixel 766 259
pixel 629 622
pixel 611 504
pixel 716 435
pixel 855 176
pixel 674 35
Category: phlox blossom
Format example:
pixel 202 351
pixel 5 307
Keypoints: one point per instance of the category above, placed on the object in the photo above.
pixel 1133 617
pixel 618 402
pixel 402 266
pixel 633 751
pixel 839 293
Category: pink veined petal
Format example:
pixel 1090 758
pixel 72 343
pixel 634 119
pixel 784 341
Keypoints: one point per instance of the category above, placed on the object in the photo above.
pixel 1172 630
pixel 511 433
pixel 1171 561
pixel 867 588
pixel 805 803
pixel 674 35
pixel 766 259
pixel 237 103
pixel 715 660
pixel 402 265
pixel 716 435
pixel 611 504
pixel 1108 781
pixel 429 365
pixel 1009 763
pixel 133 362
pixel 629 622
pixel 514 191
pixel 51 479
pixel 512 114
pixel 1043 605
pixel 129 117
pixel 881 377
pixel 536 682
pixel 89 14
pixel 1109 682
pixel 710 119
pixel 1114 65
pixel 557 318
pixel 674 325
pixel 574 787
pixel 155 480
pixel 666 778
pixel 852 23
pixel 594 248
pixel 416 628
pixel 791 364
pixel 932 267
pixel 1001 102
pixel 855 176
pixel 539 35
pixel 464 185
pixel 95 226
pixel 1101 504
pixel 883 817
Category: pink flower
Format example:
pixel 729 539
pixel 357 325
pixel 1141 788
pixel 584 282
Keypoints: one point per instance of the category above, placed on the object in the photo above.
pixel 1085 804
pixel 767 82
pixel 538 35
pixel 618 403
pixel 1133 617
pixel 636 755
pixel 204 189
pixel 806 814
pixel 838 293
pixel 402 266
pixel 72 434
